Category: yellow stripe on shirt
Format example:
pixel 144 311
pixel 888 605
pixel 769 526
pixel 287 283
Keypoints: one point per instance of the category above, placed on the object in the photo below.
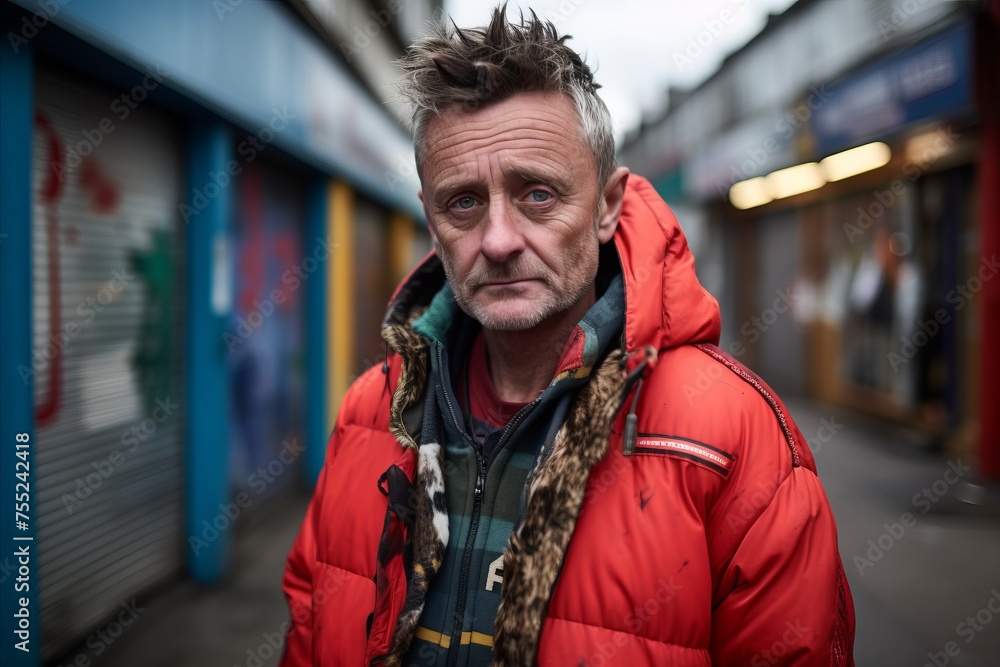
pixel 444 641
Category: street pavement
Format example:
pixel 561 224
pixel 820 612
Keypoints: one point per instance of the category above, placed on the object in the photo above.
pixel 923 566
pixel 239 623
pixel 920 562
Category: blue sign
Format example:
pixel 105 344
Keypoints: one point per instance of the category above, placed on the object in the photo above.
pixel 926 82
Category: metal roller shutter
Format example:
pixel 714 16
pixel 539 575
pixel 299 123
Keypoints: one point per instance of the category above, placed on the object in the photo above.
pixel 107 353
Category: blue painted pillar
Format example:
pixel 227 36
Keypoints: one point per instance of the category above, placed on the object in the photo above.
pixel 19 550
pixel 316 244
pixel 206 214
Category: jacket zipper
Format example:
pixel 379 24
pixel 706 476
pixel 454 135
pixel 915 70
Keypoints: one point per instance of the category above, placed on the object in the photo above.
pixel 477 507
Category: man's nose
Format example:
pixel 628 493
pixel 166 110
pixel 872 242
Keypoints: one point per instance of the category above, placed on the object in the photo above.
pixel 502 236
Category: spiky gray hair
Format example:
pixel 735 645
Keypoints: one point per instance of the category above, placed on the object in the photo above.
pixel 474 67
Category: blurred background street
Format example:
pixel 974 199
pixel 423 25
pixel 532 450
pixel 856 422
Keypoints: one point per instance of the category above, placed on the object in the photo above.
pixel 206 205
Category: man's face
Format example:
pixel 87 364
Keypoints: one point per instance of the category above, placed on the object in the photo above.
pixel 511 195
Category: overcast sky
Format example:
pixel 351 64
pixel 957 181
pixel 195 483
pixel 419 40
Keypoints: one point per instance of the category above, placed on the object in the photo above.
pixel 639 47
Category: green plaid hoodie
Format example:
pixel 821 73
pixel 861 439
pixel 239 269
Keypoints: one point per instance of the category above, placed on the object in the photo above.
pixel 485 482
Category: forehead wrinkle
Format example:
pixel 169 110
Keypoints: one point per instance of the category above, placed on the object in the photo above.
pixel 549 172
pixel 450 128
pixel 462 147
pixel 467 141
pixel 532 164
pixel 558 156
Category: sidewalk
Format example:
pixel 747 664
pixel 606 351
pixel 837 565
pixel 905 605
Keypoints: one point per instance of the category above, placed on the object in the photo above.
pixel 238 624
pixel 917 568
pixel 918 564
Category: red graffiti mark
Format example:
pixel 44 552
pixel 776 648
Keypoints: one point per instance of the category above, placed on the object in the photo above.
pixel 286 249
pixel 51 191
pixel 252 253
pixel 104 193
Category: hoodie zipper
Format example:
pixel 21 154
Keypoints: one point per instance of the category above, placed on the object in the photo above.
pixel 477 508
pixel 456 631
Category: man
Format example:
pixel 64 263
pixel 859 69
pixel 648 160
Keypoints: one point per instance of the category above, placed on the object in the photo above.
pixel 556 465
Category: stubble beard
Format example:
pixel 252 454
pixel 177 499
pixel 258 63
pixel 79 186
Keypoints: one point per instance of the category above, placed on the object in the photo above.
pixel 557 299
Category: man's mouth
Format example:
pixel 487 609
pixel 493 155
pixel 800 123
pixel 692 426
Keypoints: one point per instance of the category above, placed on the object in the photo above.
pixel 521 282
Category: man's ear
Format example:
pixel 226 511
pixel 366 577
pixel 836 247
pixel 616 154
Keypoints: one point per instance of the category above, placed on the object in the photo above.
pixel 611 204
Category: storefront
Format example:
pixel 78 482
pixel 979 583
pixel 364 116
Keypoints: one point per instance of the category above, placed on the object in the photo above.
pixel 108 358
pixel 890 252
pixel 265 341
pixel 174 192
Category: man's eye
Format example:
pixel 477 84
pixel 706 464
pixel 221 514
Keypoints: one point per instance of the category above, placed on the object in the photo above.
pixel 465 203
pixel 540 196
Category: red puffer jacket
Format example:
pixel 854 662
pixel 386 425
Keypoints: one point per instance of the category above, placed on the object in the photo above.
pixel 704 539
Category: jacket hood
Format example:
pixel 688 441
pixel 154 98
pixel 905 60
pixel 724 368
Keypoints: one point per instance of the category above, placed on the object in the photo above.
pixel 665 305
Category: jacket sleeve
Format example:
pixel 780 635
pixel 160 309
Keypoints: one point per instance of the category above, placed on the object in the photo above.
pixel 298 582
pixel 783 598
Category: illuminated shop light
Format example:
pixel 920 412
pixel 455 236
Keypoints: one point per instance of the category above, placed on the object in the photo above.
pixel 855 161
pixel 794 180
pixel 809 176
pixel 749 193
pixel 927 147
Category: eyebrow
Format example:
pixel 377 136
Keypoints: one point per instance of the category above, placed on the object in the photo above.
pixel 443 193
pixel 532 176
pixel 527 174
